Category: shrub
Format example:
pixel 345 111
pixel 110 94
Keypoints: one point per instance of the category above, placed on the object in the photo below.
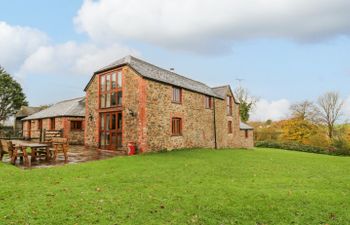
pixel 303 148
pixel 341 146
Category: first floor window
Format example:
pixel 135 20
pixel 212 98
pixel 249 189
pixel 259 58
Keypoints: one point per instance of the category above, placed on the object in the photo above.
pixel 176 95
pixel 246 134
pixel 176 126
pixel 76 125
pixel 229 105
pixel 229 128
pixel 208 102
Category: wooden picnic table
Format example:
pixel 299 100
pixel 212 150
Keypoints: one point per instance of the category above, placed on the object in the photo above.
pixel 34 149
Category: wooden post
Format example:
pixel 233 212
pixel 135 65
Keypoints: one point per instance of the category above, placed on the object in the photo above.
pixel 44 135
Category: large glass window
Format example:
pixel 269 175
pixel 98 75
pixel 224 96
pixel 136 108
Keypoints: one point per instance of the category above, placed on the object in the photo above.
pixel 111 90
pixel 119 79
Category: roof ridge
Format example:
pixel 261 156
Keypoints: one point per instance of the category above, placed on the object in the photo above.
pixel 168 71
pixel 227 85
pixel 68 100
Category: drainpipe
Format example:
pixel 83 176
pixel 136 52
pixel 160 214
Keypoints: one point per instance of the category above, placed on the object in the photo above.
pixel 215 142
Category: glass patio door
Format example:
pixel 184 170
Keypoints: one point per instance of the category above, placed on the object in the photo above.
pixel 110 130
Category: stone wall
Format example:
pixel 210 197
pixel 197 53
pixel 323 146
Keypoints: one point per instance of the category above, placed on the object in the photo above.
pixel 26 127
pixel 91 114
pixel 224 138
pixel 134 90
pixel 246 142
pixel 197 121
pixel 147 115
pixel 75 137
pixel 61 123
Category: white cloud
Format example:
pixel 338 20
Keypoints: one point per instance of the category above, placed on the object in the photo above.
pixel 28 51
pixel 72 58
pixel 207 25
pixel 274 110
pixel 346 109
pixel 17 43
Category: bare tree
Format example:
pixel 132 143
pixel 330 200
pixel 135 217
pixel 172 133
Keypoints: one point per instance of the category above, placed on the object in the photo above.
pixel 247 102
pixel 305 110
pixel 330 110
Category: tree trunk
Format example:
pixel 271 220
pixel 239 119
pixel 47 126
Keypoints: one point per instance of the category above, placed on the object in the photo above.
pixel 330 131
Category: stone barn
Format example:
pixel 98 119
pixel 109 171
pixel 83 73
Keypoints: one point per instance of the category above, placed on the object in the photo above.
pixel 132 100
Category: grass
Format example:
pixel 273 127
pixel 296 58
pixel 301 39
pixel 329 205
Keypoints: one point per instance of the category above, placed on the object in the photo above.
pixel 262 186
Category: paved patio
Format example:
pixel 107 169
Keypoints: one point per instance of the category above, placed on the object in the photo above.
pixel 76 154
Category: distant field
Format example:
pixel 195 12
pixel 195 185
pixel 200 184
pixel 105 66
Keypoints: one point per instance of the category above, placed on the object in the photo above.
pixel 261 186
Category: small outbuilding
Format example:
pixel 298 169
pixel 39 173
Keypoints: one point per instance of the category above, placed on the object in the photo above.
pixel 63 119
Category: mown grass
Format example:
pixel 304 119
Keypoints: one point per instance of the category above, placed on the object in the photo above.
pixel 262 186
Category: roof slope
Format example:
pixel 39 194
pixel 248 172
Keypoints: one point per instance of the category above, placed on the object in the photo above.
pixel 222 92
pixel 27 111
pixel 72 107
pixel 244 126
pixel 156 73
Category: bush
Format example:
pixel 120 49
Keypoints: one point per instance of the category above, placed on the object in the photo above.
pixel 341 146
pixel 8 133
pixel 336 149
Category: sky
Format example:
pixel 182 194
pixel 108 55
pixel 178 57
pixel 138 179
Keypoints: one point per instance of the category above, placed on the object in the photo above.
pixel 283 51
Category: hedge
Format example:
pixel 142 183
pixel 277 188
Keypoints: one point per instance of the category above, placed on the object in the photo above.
pixel 302 148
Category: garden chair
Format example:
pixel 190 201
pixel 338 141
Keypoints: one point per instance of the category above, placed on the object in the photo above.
pixel 14 151
pixel 60 145
pixel 2 151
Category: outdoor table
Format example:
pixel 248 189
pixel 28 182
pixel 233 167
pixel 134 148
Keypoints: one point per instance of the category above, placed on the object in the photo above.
pixel 34 149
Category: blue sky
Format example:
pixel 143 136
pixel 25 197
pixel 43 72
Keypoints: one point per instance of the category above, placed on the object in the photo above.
pixel 301 56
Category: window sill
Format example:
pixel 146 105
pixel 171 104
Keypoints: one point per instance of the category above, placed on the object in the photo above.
pixel 176 135
pixel 179 103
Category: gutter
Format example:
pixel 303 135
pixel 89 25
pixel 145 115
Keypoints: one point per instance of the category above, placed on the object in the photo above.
pixel 214 114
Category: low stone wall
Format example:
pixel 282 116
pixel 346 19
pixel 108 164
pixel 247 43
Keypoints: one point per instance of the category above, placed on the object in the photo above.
pixel 76 137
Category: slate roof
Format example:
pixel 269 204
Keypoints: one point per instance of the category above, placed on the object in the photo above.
pixel 27 111
pixel 244 126
pixel 222 91
pixel 156 73
pixel 72 107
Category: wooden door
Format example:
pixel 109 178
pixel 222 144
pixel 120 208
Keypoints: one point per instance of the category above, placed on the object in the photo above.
pixel 110 130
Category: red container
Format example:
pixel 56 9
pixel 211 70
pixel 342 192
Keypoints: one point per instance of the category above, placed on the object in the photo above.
pixel 131 148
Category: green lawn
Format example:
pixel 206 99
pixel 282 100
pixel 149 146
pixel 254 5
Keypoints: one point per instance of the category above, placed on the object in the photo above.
pixel 262 186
